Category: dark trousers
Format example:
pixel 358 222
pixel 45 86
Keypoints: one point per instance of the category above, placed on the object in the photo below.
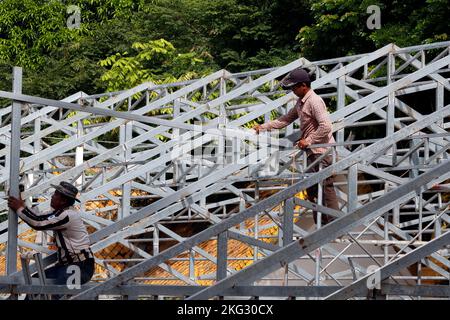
pixel 329 197
pixel 59 273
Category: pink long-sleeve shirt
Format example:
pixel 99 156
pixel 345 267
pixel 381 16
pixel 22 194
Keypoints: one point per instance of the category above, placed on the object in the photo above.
pixel 314 121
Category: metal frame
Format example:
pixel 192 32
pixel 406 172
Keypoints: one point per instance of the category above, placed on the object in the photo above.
pixel 161 126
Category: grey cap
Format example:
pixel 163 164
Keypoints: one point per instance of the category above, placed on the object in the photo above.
pixel 295 76
pixel 67 189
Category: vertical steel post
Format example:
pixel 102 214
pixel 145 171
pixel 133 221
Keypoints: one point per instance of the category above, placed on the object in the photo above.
pixel 437 224
pixel 156 240
pixel 281 230
pixel 242 208
pixel 14 158
pixel 288 222
pixel 426 150
pixel 126 134
pixel 256 229
pixel 440 101
pixel 386 237
pixel 37 147
pixel 340 104
pixel 391 104
pixel 318 251
pixel 414 158
pixel 79 153
pixel 256 218
pixel 390 128
pixel 288 230
pixel 223 121
pixel 419 263
pixel 192 264
pixel 222 252
pixel 396 216
pixel 176 134
pixel 319 199
pixel 126 187
pixel 352 197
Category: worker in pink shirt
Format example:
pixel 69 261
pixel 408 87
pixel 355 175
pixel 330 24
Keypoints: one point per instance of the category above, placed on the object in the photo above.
pixel 316 128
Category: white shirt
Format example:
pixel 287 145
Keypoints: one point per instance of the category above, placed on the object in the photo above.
pixel 69 230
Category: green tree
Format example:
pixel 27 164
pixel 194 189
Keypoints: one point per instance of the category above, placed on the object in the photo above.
pixel 157 61
pixel 339 27
pixel 30 29
pixel 245 34
pixel 58 61
pixel 237 35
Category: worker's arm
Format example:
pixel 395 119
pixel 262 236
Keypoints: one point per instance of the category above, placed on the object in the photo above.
pixel 321 134
pixel 55 220
pixel 281 122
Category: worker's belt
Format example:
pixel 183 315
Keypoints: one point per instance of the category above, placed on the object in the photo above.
pixel 73 257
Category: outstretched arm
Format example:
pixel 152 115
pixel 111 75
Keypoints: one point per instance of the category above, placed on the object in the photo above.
pixel 55 220
pixel 281 122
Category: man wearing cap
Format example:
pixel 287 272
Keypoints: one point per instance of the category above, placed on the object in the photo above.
pixel 316 128
pixel 72 238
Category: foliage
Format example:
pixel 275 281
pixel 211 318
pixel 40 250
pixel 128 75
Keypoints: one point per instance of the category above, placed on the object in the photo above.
pixel 252 34
pixel 163 40
pixel 339 26
pixel 156 61
pixel 30 29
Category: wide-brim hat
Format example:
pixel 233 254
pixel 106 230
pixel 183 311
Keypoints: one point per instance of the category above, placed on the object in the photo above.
pixel 67 189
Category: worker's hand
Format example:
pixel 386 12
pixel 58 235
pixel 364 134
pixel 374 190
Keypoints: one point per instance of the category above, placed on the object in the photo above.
pixel 15 204
pixel 302 144
pixel 257 128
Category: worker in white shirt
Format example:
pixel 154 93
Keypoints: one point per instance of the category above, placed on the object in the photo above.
pixel 71 236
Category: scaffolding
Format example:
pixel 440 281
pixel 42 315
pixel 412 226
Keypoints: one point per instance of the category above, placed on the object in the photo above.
pixel 183 154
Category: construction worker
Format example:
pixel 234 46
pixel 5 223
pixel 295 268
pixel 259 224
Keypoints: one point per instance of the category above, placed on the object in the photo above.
pixel 72 238
pixel 316 128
